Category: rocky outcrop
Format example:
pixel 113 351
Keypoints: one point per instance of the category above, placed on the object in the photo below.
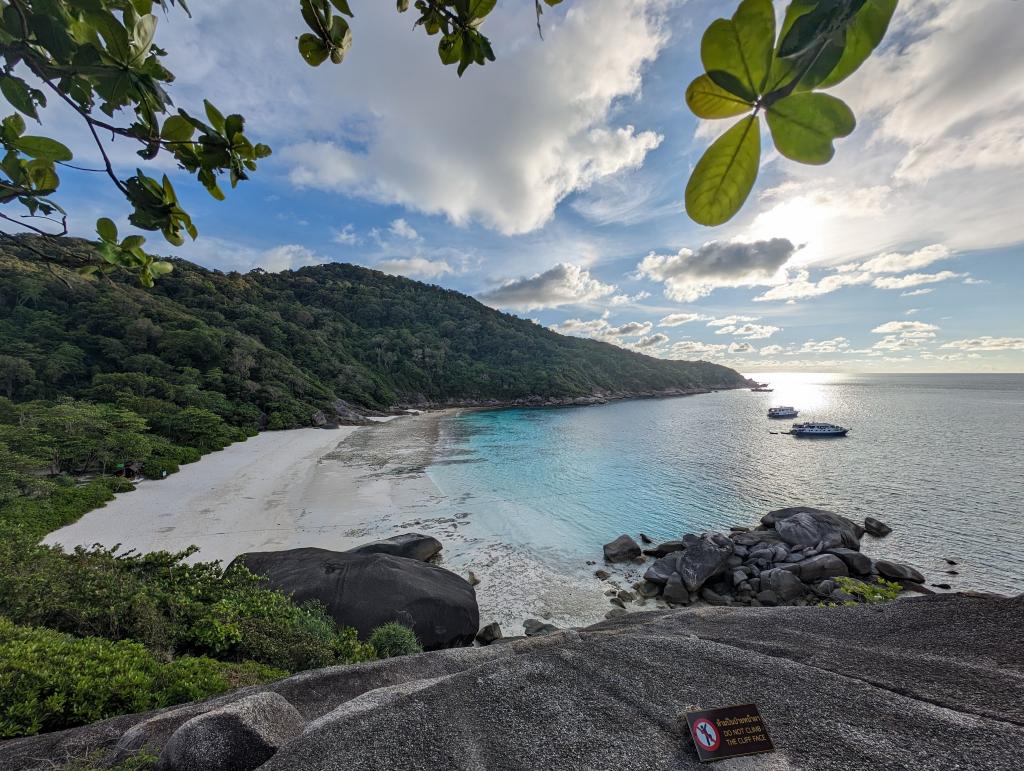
pixel 783 562
pixel 413 546
pixel 876 527
pixel 239 736
pixel 622 549
pixel 929 682
pixel 367 590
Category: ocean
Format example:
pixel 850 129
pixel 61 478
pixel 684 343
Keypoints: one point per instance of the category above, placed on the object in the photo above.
pixel 937 457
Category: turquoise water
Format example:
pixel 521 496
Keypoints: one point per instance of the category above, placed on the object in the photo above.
pixel 938 457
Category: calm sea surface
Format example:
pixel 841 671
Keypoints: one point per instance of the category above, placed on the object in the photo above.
pixel 938 457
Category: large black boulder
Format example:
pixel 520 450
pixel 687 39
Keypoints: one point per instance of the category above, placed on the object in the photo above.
pixel 700 560
pixel 367 590
pixel 622 549
pixel 806 526
pixel 412 545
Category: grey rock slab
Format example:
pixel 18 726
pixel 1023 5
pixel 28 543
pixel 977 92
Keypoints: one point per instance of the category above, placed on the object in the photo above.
pixel 239 736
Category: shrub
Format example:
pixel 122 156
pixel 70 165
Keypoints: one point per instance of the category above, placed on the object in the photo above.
pixel 393 639
pixel 171 607
pixel 50 680
pixel 878 590
pixel 159 466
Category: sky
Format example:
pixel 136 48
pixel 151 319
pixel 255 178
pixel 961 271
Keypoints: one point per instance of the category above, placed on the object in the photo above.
pixel 550 183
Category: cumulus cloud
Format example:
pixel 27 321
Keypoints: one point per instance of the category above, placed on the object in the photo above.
pixel 602 329
pixel 749 331
pixel 402 229
pixel 287 257
pixel 419 267
pixel 896 262
pixel 910 329
pixel 939 148
pixel 629 299
pixel 688 349
pixel 564 284
pixel 651 341
pixel 741 348
pixel 771 350
pixel 689 275
pixel 835 345
pixel 346 236
pixel 914 279
pixel 501 146
pixel 731 320
pixel 678 319
pixel 987 343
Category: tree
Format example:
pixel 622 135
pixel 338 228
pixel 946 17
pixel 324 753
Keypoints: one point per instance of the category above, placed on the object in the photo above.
pixel 100 57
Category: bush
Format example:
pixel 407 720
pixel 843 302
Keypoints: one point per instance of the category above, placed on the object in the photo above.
pixel 171 607
pixel 61 503
pixel 393 639
pixel 878 590
pixel 157 467
pixel 50 680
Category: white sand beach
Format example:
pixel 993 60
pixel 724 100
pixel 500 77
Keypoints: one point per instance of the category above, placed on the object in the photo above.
pixel 335 489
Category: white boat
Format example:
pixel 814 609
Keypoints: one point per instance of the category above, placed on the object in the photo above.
pixel 782 412
pixel 818 429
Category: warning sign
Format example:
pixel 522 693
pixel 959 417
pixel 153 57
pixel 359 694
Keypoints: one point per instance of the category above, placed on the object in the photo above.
pixel 728 732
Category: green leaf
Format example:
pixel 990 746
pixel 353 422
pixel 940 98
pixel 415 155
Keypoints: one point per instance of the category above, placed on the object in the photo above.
pixel 449 48
pixel 313 50
pixel 16 92
pixel 737 53
pixel 44 148
pixel 805 125
pixel 342 6
pixel 865 32
pixel 142 38
pixel 725 174
pixel 106 229
pixel 161 268
pixel 478 9
pixel 177 129
pixel 214 116
pixel 403 6
pixel 709 100
pixel 806 22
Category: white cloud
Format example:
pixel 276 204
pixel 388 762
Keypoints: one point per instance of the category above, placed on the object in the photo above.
pixel 917 292
pixel 689 275
pixel 677 319
pixel 420 267
pixel 287 257
pixel 987 343
pixel 835 345
pixel 564 284
pixel 741 348
pixel 907 329
pixel 801 287
pixel 896 262
pixel 914 279
pixel 771 350
pixel 751 331
pixel 629 299
pixel 602 329
pixel 502 145
pixel 731 320
pixel 686 349
pixel 402 229
pixel 651 341
pixel 938 152
pixel 347 236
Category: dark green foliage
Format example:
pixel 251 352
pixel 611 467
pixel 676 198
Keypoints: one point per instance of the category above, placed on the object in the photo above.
pixel 50 680
pixel 274 348
pixel 169 606
pixel 394 639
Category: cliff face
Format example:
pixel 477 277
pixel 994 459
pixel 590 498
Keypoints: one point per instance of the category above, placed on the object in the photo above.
pixel 934 682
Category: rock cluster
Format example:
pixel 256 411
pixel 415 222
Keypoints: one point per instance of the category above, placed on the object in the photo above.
pixel 791 558
pixel 601 397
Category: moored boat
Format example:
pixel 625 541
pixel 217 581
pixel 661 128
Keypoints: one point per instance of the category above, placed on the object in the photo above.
pixel 818 429
pixel 782 412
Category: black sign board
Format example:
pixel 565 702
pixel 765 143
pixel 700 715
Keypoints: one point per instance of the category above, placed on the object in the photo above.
pixel 728 732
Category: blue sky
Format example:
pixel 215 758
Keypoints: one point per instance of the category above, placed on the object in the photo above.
pixel 550 183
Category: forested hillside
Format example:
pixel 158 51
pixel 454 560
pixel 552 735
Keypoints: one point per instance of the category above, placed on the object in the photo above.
pixel 267 350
